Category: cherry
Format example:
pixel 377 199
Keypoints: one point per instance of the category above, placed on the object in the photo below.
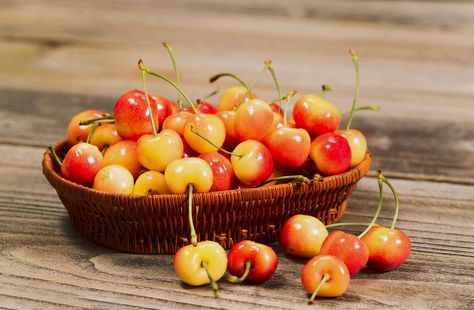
pixel 149 183
pixel 158 151
pixel 388 247
pixel 325 276
pixel 235 95
pixel 222 171
pixel 81 163
pixel 252 162
pixel 253 120
pixel 208 125
pixel 181 172
pixel 302 236
pixel 124 153
pixel 228 118
pixel 317 115
pixel 331 153
pixel 114 179
pixel 251 262
pixel 177 121
pixel 104 135
pixel 76 132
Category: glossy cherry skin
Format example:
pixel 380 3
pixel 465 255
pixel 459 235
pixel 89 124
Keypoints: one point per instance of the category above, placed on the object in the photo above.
pixel 124 153
pixel 182 172
pixel 275 107
pixel 264 261
pixel 114 179
pixel 163 105
pixel 81 164
pixel 289 146
pixel 209 126
pixel 231 139
pixel 204 107
pixel 331 153
pixel 188 262
pixel 222 171
pixel 151 182
pixel 388 248
pixel 357 143
pixel 78 133
pixel 253 120
pixel 302 236
pixel 255 165
pixel 177 121
pixel 105 135
pixel 314 271
pixel 316 115
pixel 233 96
pixel 132 115
pixel 156 152
pixel 348 248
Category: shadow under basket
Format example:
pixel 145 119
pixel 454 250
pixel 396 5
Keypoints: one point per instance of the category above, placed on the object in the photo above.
pixel 158 224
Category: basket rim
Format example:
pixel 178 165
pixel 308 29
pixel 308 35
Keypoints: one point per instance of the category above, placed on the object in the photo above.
pixel 54 177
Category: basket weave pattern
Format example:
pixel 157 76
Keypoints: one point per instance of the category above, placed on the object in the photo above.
pixel 158 224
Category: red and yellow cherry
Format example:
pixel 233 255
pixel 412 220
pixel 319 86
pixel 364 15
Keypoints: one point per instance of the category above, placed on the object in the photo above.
pixel 331 153
pixel 302 236
pixel 231 139
pixel 253 120
pixel 222 171
pixel 388 247
pixel 207 125
pixel 105 135
pixel 357 143
pixel 289 146
pixel 149 183
pixel 325 276
pixel 252 162
pixel 207 108
pixel 276 108
pixel 78 133
pixel 163 106
pixel 132 116
pixel 251 262
pixel 114 179
pixel 348 248
pixel 124 153
pixel 316 115
pixel 81 164
pixel 155 152
pixel 177 121
pixel 234 96
pixel 182 172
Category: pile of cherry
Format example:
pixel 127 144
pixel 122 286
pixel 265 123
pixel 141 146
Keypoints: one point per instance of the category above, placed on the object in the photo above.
pixel 127 153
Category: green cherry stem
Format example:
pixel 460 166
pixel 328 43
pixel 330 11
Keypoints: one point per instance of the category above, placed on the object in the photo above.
pixel 355 60
pixel 325 88
pixel 316 290
pixel 164 78
pixel 213 144
pixel 214 92
pixel 269 66
pixel 249 90
pixel 106 147
pixel 379 205
pixel 285 110
pixel 214 78
pixel 371 107
pixel 91 132
pixel 296 177
pixel 214 286
pixel 145 90
pixel 104 119
pixel 190 214
pixel 169 48
pixel 347 224
pixel 55 155
pixel 395 196
pixel 234 279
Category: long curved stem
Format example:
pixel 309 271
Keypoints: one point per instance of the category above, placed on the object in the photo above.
pixel 371 107
pixel 55 155
pixel 285 111
pixel 249 90
pixel 164 78
pixel 234 279
pixel 296 177
pixel 214 78
pixel 213 93
pixel 190 214
pixel 214 286
pixel 169 48
pixel 268 64
pixel 91 132
pixel 316 290
pixel 379 205
pixel 104 119
pixel 355 60
pixel 145 90
pixel 213 144
pixel 395 196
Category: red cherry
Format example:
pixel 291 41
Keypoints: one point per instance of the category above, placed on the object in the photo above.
pixel 289 146
pixel 222 171
pixel 331 153
pixel 78 133
pixel 81 164
pixel 316 115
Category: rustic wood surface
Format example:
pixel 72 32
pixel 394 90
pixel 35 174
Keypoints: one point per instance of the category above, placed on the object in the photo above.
pixel 58 58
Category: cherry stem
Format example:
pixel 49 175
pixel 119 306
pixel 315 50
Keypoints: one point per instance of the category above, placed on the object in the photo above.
pixel 214 78
pixel 106 147
pixel 316 290
pixel 269 66
pixel 287 101
pixel 371 107
pixel 325 88
pixel 152 121
pixel 395 196
pixel 164 78
pixel 190 214
pixel 355 60
pixel 296 177
pixel 214 92
pixel 249 90
pixel 55 155
pixel 234 279
pixel 169 48
pixel 379 205
pixel 104 119
pixel 91 132
pixel 347 224
pixel 214 286
pixel 213 144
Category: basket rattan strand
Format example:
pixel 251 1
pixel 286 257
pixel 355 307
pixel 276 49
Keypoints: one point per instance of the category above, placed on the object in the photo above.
pixel 158 224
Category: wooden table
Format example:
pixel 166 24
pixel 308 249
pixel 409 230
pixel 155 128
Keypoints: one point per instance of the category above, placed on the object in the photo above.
pixel 417 61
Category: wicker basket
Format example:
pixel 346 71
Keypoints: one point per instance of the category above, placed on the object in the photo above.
pixel 158 224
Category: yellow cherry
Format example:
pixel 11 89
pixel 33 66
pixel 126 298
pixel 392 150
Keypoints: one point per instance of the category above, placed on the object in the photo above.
pixel 156 152
pixel 358 144
pixel 207 125
pixel 186 171
pixel 151 182
pixel 114 179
